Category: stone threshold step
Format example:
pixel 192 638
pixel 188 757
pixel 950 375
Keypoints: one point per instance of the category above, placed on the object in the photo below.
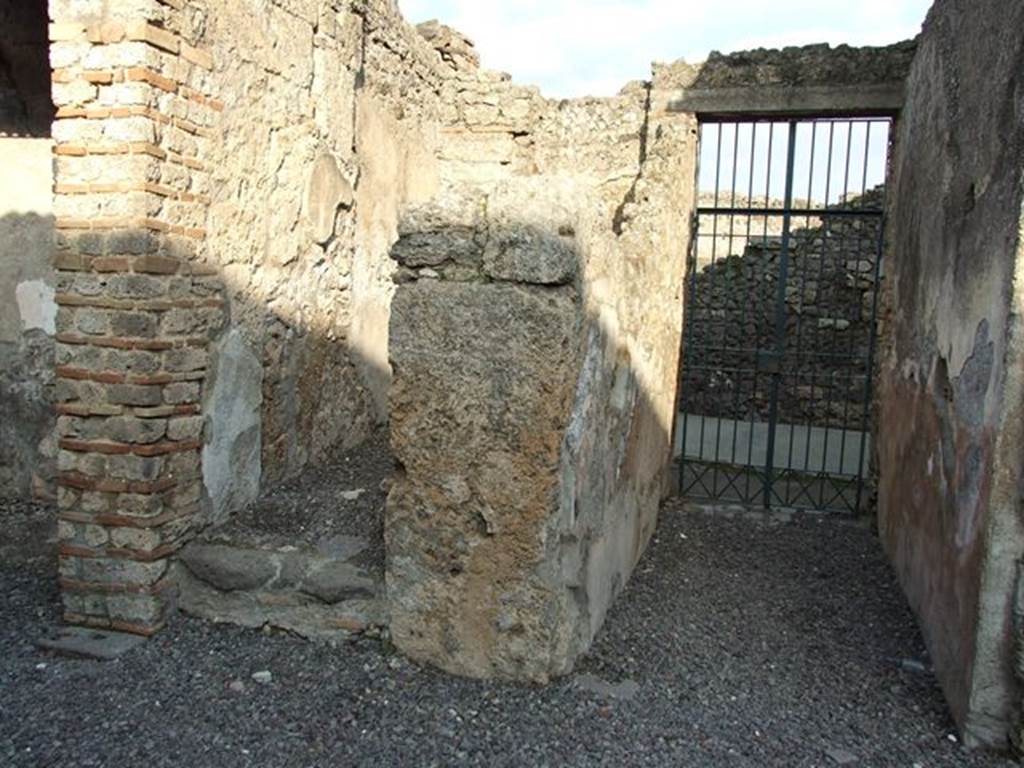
pixel 317 593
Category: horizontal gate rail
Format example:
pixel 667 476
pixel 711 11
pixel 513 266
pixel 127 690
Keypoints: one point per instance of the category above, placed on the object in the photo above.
pixel 797 212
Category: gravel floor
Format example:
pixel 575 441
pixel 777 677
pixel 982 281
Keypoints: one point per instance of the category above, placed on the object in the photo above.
pixel 751 643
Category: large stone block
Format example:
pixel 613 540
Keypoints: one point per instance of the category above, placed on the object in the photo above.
pixel 535 341
pixel 484 379
pixel 231 456
pixel 326 191
pixel 531 235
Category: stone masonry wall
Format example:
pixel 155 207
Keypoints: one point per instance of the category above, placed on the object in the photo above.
pixel 138 301
pixel 508 541
pixel 27 319
pixel 829 307
pixel 227 187
pixel 329 126
pixel 950 394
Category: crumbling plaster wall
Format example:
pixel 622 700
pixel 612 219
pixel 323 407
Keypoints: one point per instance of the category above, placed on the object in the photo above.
pixel 27 318
pixel 329 125
pixel 566 476
pixel 27 308
pixel 950 391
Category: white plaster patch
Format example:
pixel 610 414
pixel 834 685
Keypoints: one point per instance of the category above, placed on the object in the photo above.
pixel 36 306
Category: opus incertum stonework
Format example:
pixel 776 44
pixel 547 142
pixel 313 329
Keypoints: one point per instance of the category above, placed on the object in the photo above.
pixel 237 242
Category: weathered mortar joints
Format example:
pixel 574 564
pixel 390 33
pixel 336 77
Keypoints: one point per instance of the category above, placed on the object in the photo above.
pixel 223 299
pixel 137 307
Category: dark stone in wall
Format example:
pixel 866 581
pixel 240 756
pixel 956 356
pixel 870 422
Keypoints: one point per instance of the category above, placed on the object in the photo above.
pixel 808 65
pixel 26 414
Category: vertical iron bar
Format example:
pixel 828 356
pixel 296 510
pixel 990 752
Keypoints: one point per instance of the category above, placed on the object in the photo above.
pixel 728 285
pixel 872 341
pixel 780 312
pixel 709 367
pixel 867 153
pixel 825 225
pixel 743 311
pixel 821 268
pixel 851 356
pixel 754 411
pixel 843 203
pixel 687 351
pixel 804 269
pixel 748 465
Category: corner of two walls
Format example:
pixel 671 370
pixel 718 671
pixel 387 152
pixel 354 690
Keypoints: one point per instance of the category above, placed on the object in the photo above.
pixel 315 154
pixel 215 203
pixel 627 176
pixel 635 234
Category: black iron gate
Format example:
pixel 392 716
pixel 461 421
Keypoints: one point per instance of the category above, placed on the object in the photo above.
pixel 781 312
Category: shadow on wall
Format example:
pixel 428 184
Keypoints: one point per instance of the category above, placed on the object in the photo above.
pixel 292 376
pixel 27 325
pixel 144 339
pixel 282 390
pixel 533 459
pixel 26 106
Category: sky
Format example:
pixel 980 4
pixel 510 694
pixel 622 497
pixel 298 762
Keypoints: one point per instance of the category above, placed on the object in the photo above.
pixel 831 159
pixel 594 47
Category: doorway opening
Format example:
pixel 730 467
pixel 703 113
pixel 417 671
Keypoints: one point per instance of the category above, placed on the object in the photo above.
pixel 781 313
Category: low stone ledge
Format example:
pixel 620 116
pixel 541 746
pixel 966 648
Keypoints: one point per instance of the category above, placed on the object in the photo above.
pixel 233 569
pixel 318 596
pixel 291 611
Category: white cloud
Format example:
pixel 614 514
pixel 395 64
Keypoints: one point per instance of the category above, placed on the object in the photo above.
pixel 575 47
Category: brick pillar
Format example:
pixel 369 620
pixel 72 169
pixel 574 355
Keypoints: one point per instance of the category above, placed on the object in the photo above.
pixel 138 305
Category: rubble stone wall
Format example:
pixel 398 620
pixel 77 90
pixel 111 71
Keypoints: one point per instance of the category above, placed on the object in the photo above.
pixel 550 254
pixel 950 394
pixel 27 319
pixel 329 126
pixel 27 309
pixel 829 312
